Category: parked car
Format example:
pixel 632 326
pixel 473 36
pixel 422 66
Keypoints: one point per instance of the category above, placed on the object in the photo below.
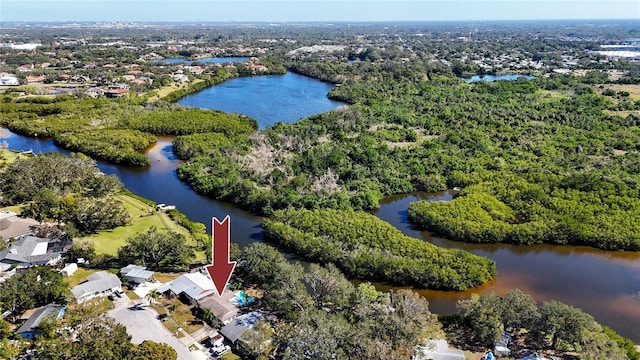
pixel 505 338
pixel 500 349
pixel 220 350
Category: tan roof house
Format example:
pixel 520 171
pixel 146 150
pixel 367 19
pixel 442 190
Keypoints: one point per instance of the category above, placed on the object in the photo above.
pixel 12 226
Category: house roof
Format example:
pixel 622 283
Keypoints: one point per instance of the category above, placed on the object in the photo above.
pixel 139 274
pixel 34 320
pixel 12 226
pixel 96 282
pixel 28 249
pixel 195 285
pixel 221 306
pixel 136 272
pixel 234 330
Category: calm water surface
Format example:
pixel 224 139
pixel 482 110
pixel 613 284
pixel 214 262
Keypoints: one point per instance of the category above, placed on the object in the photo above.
pixel 268 99
pixel 605 284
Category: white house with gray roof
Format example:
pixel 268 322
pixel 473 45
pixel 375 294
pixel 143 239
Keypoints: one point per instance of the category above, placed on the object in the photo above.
pixel 29 251
pixel 98 284
pixel 194 286
pixel 136 274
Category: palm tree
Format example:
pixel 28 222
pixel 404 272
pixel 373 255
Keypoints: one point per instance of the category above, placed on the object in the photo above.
pixel 153 296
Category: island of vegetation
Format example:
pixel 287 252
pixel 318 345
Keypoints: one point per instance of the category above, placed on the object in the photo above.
pixel 365 247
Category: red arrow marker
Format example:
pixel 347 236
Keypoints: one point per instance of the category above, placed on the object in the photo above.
pixel 221 268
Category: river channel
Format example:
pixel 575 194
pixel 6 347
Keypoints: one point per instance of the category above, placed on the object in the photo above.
pixel 604 284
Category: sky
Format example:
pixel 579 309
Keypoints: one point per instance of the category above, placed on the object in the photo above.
pixel 313 10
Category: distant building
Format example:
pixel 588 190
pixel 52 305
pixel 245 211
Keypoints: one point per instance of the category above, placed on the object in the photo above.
pixel 9 80
pixel 12 226
pixel 98 284
pixel 36 79
pixel 115 93
pixel 25 68
pixel 29 329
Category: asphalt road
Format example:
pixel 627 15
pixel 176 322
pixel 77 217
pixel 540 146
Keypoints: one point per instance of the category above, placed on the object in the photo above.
pixel 143 324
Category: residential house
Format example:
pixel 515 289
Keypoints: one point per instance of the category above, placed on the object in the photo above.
pixel 234 330
pixel 115 93
pixel 29 329
pixel 199 290
pixel 25 68
pixel 180 78
pixel 98 284
pixel 36 79
pixel 12 226
pixel 29 251
pixel 136 274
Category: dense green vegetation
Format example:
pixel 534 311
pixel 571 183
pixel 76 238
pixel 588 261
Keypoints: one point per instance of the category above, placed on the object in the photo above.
pixel 550 324
pixel 324 316
pixel 114 130
pixel 183 121
pixel 364 247
pixel 528 213
pixel 536 149
pixel 32 288
pixel 158 250
pixel 68 190
pixel 115 146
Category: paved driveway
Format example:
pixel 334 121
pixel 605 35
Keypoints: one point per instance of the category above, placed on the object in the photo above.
pixel 143 325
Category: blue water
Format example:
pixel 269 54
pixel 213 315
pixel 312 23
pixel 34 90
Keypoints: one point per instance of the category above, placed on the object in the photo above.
pixel 216 60
pixel 268 99
pixel 490 78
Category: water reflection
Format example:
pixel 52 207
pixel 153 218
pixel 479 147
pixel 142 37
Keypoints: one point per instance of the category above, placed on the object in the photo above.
pixel 605 284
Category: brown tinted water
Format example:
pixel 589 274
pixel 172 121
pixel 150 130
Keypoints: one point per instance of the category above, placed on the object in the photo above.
pixel 603 283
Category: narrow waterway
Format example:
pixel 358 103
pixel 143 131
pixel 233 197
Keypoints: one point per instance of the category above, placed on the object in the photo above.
pixel 605 284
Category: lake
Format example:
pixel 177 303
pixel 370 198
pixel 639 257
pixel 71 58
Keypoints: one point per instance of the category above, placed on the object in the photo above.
pixel 605 284
pixel 215 60
pixel 491 78
pixel 268 99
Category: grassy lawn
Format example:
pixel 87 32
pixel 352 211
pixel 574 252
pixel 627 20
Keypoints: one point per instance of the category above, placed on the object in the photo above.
pixel 142 219
pixel 632 89
pixel 79 276
pixel 131 294
pixel 180 317
pixel 549 95
pixel 8 156
pixel 165 90
pixel 185 319
pixel 229 356
pixel 16 208
pixel 99 305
